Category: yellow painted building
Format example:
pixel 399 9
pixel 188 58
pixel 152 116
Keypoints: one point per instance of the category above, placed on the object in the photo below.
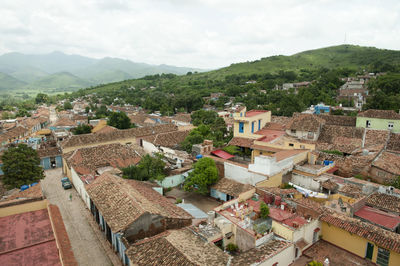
pixel 362 246
pixel 246 123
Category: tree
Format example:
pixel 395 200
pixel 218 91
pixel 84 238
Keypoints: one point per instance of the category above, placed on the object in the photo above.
pixel 21 166
pixel 67 105
pixel 264 210
pixel 395 183
pixel 119 120
pixel 82 129
pixel 41 98
pixel 204 174
pixel 149 168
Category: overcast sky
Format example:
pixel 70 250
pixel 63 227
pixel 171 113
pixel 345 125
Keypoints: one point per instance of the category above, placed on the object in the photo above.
pixel 196 33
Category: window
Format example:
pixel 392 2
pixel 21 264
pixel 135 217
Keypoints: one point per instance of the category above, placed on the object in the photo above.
pixel 310 135
pixel 293 131
pixel 368 124
pixel 390 125
pixel 383 257
pixel 291 144
pixel 241 114
pixel 241 127
pixel 252 127
pixel 302 147
pixel 259 124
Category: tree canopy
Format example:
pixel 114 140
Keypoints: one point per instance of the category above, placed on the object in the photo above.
pixel 21 166
pixel 204 174
pixel 149 168
pixel 82 129
pixel 119 120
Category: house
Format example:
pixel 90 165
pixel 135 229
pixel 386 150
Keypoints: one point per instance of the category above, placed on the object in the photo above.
pixel 125 136
pixel 305 126
pixel 163 141
pixel 248 122
pixel 362 239
pixel 83 165
pixel 385 202
pixel 129 211
pixel 379 119
pixel 176 247
pixel 50 155
pixel 354 91
pixel 321 109
pixel 32 231
pixel 63 123
pixel 226 189
pixel 385 168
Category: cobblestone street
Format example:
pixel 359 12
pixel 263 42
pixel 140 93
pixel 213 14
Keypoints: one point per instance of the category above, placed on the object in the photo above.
pixel 87 247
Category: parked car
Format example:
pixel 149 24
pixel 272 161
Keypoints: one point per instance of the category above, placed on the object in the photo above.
pixel 66 184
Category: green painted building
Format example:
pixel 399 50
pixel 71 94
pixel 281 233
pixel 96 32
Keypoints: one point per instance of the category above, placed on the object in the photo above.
pixel 379 119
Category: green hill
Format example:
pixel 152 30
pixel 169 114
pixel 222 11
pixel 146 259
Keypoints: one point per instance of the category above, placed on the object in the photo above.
pixel 7 83
pixel 61 80
pixel 342 56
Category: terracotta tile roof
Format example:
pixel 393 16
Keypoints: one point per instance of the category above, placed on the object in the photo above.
pixel 182 117
pixel 241 142
pixel 284 154
pixel 105 129
pixel 394 142
pixel 384 201
pixel 48 151
pixel 81 140
pixel 122 201
pixel 88 160
pixel 373 137
pixel 265 148
pixel 260 254
pixel 231 187
pixel 380 236
pixel 305 122
pixel 273 126
pixel 281 120
pixel 16 132
pixel 351 190
pixel 64 122
pixel 176 247
pixel 339 120
pixel 31 194
pixel 389 162
pixel 382 114
pixel 169 139
pixel 332 186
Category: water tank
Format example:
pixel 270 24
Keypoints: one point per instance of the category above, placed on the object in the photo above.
pixel 33 184
pixel 326 162
pixel 24 187
pixel 211 216
pixel 199 156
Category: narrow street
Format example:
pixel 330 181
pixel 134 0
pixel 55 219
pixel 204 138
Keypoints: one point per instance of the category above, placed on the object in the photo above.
pixel 85 244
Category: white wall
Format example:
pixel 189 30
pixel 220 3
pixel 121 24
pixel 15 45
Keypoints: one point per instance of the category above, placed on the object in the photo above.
pixel 307 182
pixel 285 257
pixel 242 174
pixel 80 187
pixel 268 165
pixel 149 147
pixel 306 232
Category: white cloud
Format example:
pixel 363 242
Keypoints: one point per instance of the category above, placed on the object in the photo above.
pixel 199 33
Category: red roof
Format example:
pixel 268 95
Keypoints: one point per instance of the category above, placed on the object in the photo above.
pixel 222 154
pixel 332 170
pixel 279 215
pixel 255 112
pixel 269 135
pixel 378 217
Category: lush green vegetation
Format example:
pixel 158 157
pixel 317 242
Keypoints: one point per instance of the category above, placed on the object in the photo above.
pixel 21 166
pixel 149 168
pixel 209 126
pixel 82 129
pixel 335 152
pixel 264 210
pixel 204 174
pixel 119 120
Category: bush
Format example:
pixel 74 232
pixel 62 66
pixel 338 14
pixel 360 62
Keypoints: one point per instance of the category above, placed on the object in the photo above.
pixel 231 150
pixel 335 152
pixel 315 263
pixel 264 210
pixel 178 200
pixel 231 247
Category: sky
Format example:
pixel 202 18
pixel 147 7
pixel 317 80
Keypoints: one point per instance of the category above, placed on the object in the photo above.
pixel 196 33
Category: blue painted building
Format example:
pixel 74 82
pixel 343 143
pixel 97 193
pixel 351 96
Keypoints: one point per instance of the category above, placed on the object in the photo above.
pixel 321 109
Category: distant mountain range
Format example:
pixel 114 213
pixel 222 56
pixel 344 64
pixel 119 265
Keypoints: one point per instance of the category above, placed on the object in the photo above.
pixel 70 72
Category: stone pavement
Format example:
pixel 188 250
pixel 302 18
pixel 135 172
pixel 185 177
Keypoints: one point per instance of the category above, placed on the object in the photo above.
pixel 87 243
